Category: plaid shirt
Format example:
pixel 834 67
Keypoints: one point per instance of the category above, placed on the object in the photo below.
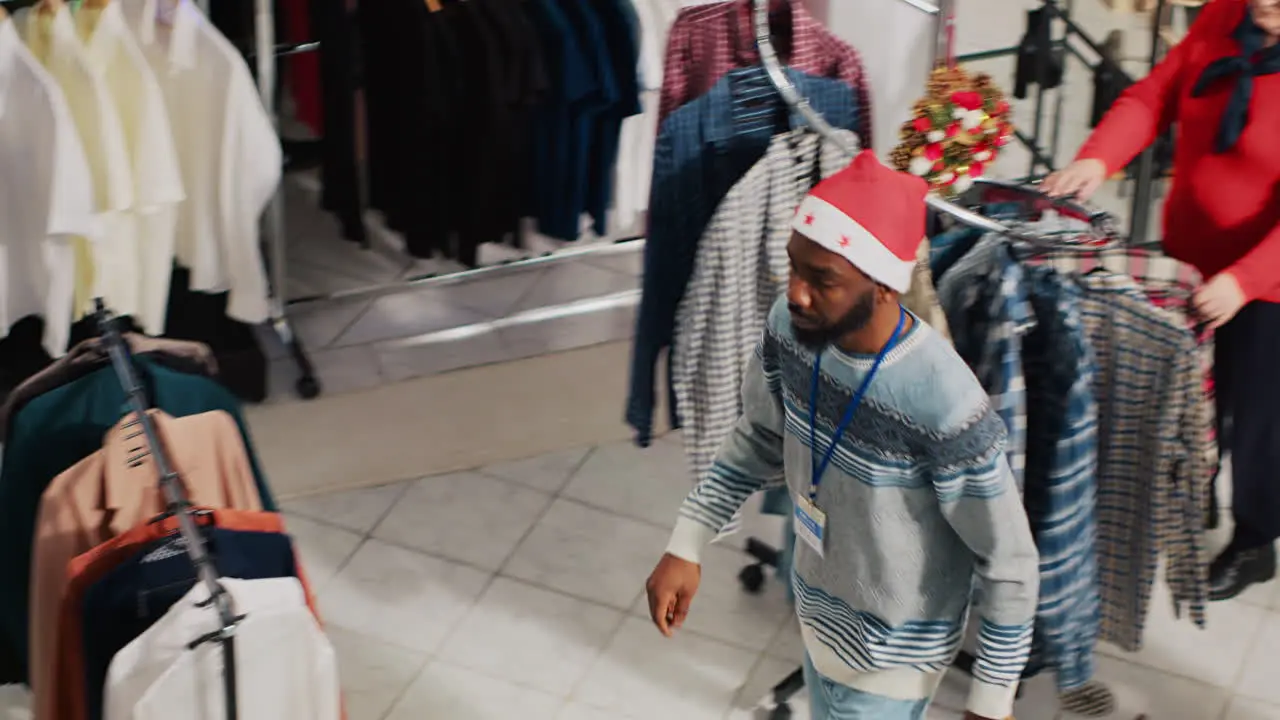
pixel 1020 330
pixel 1152 455
pixel 741 270
pixel 1061 488
pixel 708 41
pixel 1168 283
pixel 704 148
pixel 987 309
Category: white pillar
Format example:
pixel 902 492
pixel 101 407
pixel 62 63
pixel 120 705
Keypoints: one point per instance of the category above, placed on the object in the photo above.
pixel 896 39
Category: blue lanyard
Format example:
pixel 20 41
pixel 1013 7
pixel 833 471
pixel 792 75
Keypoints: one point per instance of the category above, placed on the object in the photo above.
pixel 820 468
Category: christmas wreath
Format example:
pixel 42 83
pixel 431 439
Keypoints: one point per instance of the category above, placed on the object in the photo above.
pixel 959 128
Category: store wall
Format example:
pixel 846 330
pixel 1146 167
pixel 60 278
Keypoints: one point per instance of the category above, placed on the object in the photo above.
pixel 896 41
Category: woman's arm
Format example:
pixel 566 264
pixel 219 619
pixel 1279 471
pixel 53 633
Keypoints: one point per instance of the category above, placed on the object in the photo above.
pixel 1148 107
pixel 1258 272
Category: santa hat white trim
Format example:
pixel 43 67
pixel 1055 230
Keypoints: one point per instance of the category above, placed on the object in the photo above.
pixel 823 223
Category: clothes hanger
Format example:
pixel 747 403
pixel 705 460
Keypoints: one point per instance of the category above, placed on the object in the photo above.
pixel 1034 203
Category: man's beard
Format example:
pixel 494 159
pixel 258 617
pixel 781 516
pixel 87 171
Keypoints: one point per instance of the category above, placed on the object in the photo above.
pixel 853 321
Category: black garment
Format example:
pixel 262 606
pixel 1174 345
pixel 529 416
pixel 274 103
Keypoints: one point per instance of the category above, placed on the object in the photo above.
pixel 1038 62
pixel 1248 403
pixel 621 29
pixel 202 317
pixel 576 126
pixel 506 53
pixel 22 353
pixel 335 30
pixel 448 95
pixel 1108 85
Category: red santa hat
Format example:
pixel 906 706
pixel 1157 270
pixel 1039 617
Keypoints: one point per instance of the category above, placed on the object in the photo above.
pixel 872 216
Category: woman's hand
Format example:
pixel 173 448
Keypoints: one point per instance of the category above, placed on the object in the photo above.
pixel 1218 300
pixel 1080 179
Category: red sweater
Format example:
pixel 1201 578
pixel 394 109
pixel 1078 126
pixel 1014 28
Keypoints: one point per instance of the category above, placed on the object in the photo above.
pixel 1223 212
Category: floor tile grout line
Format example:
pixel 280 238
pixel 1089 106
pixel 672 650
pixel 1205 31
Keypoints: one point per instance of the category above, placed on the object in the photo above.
pixel 480 470
pixel 399 697
pixel 1131 660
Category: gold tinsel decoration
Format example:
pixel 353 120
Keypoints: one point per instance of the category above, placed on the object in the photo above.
pixel 957 128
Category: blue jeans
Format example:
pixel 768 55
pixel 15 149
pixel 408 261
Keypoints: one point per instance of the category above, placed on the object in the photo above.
pixel 832 701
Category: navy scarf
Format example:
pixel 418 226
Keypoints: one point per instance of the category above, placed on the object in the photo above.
pixel 1253 61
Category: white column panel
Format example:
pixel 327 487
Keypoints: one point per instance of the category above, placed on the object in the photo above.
pixel 896 40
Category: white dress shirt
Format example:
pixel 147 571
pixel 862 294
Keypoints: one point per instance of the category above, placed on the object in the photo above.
pixel 137 283
pixel 53 41
pixel 228 150
pixel 633 172
pixel 286 668
pixel 48 194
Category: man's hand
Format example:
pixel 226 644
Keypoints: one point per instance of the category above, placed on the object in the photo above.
pixel 671 588
pixel 1218 300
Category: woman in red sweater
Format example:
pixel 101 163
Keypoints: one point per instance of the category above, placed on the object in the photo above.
pixel 1221 86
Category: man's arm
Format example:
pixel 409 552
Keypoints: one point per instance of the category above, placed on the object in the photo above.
pixel 980 501
pixel 749 460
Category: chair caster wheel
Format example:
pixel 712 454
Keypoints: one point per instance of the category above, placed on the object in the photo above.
pixel 308 387
pixel 752 578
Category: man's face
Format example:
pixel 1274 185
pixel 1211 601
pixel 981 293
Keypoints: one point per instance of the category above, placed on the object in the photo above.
pixel 1266 13
pixel 828 297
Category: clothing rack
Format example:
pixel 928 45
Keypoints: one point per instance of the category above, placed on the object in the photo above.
pixel 307 384
pixel 176 501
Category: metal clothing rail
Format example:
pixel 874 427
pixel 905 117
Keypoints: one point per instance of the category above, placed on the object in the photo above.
pixel 801 105
pixel 308 385
pixel 176 501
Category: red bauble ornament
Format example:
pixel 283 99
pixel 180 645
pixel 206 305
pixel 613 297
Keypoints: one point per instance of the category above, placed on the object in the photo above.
pixel 922 124
pixel 933 151
pixel 967 99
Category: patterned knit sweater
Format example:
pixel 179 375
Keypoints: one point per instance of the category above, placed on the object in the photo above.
pixel 919 501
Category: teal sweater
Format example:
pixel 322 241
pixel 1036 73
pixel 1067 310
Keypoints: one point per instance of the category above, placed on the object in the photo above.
pixel 919 501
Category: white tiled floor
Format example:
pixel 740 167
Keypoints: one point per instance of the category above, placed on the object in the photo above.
pixel 516 592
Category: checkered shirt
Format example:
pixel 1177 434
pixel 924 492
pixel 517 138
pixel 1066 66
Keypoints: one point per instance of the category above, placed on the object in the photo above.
pixel 1152 462
pixel 703 149
pixel 708 41
pixel 989 313
pixel 740 271
pixel 1061 476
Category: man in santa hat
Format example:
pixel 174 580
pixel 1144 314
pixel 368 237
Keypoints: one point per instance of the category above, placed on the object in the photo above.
pixel 896 463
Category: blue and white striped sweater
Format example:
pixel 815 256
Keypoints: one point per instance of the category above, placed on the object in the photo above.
pixel 919 501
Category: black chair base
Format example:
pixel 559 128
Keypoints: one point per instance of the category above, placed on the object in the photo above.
pixel 753 578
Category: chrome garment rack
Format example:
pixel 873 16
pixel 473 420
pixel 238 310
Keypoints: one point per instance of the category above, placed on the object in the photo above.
pixel 307 384
pixel 176 503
